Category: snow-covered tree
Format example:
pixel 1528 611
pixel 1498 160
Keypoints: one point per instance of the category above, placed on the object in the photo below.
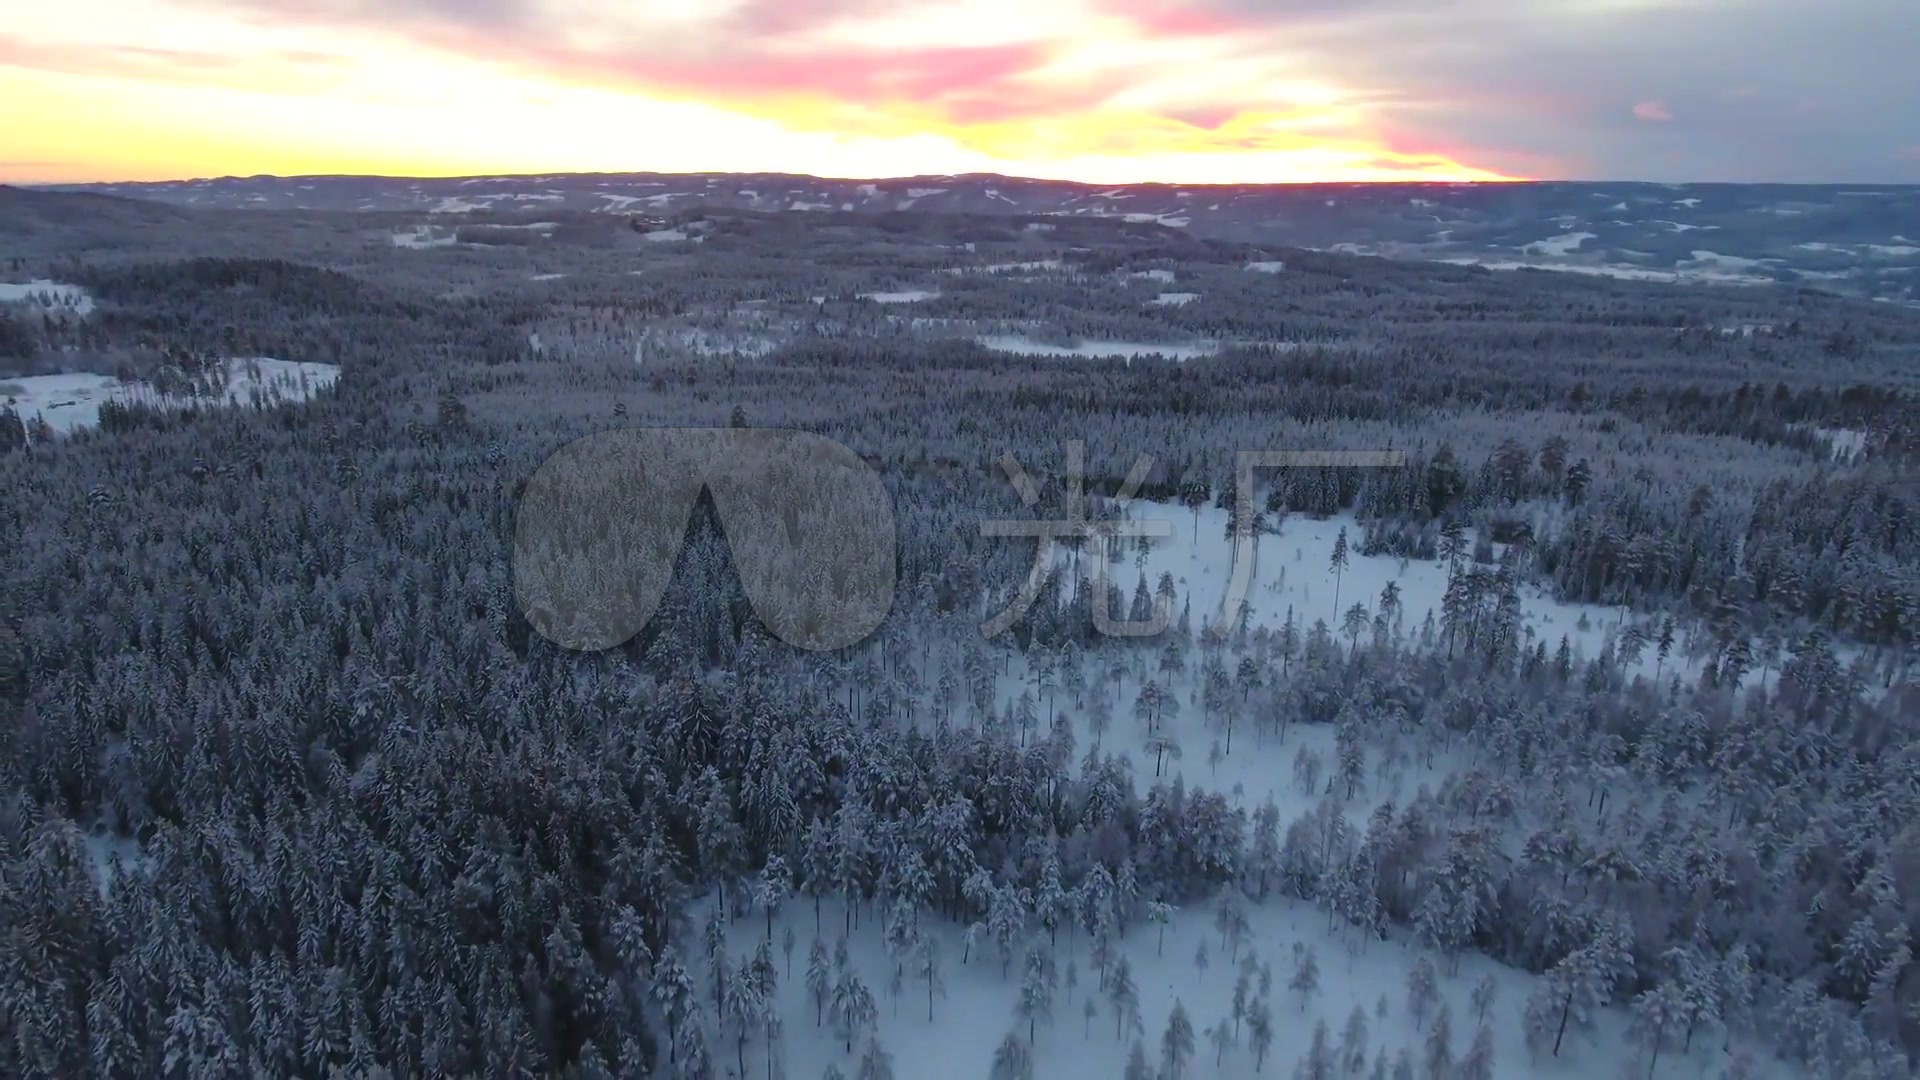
pixel 1423 990
pixel 1176 1043
pixel 1013 1059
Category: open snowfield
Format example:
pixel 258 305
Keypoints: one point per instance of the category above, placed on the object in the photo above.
pixel 954 1028
pixel 51 295
pixel 1009 267
pixel 423 237
pixel 974 1008
pixel 1024 346
pixel 1565 244
pixel 71 402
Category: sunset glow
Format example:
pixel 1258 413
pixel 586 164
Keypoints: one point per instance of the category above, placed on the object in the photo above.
pixel 1106 91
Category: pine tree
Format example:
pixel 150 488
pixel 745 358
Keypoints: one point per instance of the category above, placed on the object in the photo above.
pixel 1176 1043
pixel 928 966
pixel 1013 1059
pixel 1260 1031
pixel 1036 994
pixel 1320 1061
pixel 1306 976
pixel 1353 1042
pixel 774 888
pixel 1483 996
pixel 875 1062
pixel 1338 564
pixel 1440 1045
pixel 1423 990
pixel 1160 913
pixel 819 980
pixel 1220 1037
pixel 1125 999
pixel 1478 1062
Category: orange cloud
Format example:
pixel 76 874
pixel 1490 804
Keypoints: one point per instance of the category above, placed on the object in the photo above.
pixel 1084 89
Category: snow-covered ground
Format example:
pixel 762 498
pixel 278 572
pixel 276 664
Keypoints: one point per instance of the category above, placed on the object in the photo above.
pixel 1270 266
pixel 51 295
pixel 1290 571
pixel 904 296
pixel 69 402
pixel 423 236
pixel 1846 444
pixel 1565 244
pixel 1013 343
pixel 1010 267
pixel 954 1029
pixel 1175 299
pixel 973 1005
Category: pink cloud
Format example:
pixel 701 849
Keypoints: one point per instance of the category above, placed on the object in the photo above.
pixel 161 65
pixel 860 77
pixel 1211 118
pixel 1655 111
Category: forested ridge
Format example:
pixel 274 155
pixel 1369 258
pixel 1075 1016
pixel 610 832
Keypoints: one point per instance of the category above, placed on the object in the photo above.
pixel 292 788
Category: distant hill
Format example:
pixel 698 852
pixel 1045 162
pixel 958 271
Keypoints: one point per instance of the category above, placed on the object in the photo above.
pixel 1856 239
pixel 33 211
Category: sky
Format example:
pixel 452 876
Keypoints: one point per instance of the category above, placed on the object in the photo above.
pixel 1102 91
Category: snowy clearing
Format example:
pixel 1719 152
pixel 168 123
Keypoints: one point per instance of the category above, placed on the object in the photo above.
pixel 71 402
pixel 1270 266
pixel 953 1025
pixel 423 236
pixel 1174 299
pixel 1010 267
pixel 1024 346
pixel 51 295
pixel 904 296
pixel 1565 244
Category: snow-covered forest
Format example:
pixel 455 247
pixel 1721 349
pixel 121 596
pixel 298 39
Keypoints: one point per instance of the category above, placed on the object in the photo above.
pixel 1580 743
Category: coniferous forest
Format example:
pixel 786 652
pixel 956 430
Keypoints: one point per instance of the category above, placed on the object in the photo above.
pixel 1585 740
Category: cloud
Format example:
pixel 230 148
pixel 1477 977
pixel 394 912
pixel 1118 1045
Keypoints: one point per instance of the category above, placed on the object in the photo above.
pixel 289 68
pixel 1512 86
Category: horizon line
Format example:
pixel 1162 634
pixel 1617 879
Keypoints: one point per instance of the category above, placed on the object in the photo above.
pixel 503 176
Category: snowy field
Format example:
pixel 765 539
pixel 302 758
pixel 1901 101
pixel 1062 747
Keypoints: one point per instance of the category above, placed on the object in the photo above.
pixel 1024 346
pixel 1009 267
pixel 953 1025
pixel 51 295
pixel 973 1005
pixel 1565 244
pixel 71 402
pixel 1174 299
pixel 423 237
pixel 904 296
